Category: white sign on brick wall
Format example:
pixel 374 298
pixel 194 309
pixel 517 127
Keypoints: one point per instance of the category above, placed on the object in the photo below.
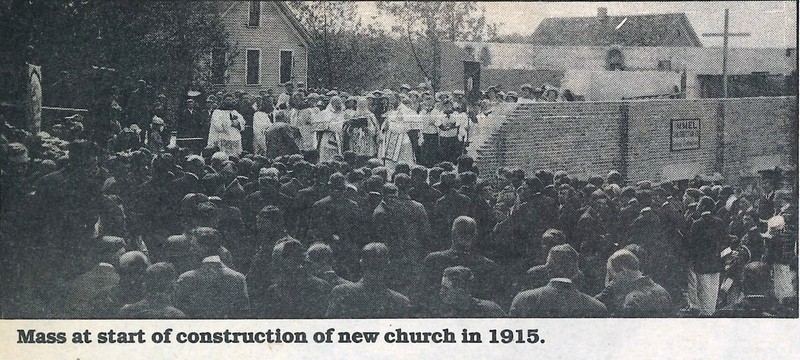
pixel 684 134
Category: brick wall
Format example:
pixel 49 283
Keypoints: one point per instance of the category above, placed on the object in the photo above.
pixel 737 136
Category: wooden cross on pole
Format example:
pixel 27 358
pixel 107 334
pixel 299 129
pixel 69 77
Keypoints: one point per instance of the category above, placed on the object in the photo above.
pixel 725 35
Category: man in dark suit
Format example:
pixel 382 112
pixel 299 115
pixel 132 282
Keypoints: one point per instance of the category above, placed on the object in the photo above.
pixel 159 285
pixel 630 293
pixel 421 191
pixel 296 294
pixel 402 224
pixel 462 253
pixel 338 221
pixel 212 290
pixel 268 194
pixel 190 121
pixel 559 298
pixel 87 294
pixel 706 238
pixel 271 231
pixel 369 298
pixel 451 205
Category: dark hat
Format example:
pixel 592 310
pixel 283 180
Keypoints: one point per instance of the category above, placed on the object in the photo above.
pixel 234 191
pixel 694 193
pixel 628 191
pixel 668 187
pixel 644 185
pixel 448 179
pixel 563 255
pixel 337 181
pixel 614 177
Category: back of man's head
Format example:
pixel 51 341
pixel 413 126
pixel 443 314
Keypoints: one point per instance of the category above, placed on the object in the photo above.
pixel 706 203
pixel 517 175
pixel 464 162
pixel 449 180
pixel 419 174
pixel 546 176
pixel 133 263
pixel 403 183
pixel 435 174
pixel 553 237
pixel 337 182
pixel 288 254
pixel 159 278
pixel 381 171
pixel 756 278
pixel 270 215
pixel 402 168
pixel 319 253
pixel 562 261
pixel 460 276
pixel 464 231
pixel 468 178
pixel 374 257
pixel 623 260
pixel 389 189
pixel 206 241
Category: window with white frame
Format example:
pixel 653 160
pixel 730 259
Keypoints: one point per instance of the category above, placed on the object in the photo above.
pixel 286 72
pixel 253 66
pixel 255 13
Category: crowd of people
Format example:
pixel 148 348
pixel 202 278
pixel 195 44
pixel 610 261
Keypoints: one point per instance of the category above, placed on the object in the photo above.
pixel 349 206
pixel 401 125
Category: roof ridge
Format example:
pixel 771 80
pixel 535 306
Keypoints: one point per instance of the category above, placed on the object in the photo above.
pixel 612 16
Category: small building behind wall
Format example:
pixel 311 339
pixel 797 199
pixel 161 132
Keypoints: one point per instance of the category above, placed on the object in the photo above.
pixel 511 65
pixel 562 50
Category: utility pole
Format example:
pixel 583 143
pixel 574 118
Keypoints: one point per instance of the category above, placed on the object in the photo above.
pixel 725 35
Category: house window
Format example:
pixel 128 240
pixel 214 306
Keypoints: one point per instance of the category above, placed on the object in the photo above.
pixel 664 65
pixel 287 65
pixel 253 65
pixel 616 62
pixel 217 66
pixel 255 14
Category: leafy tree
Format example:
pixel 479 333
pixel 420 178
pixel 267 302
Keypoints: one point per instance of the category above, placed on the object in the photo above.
pixel 425 25
pixel 347 53
pixel 87 47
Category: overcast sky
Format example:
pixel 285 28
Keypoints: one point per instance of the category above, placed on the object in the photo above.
pixel 770 23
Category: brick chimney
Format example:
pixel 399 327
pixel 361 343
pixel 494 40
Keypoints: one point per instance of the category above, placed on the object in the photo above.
pixel 602 14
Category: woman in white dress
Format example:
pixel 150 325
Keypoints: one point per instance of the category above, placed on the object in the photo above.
pixel 395 146
pixel 225 129
pixel 332 119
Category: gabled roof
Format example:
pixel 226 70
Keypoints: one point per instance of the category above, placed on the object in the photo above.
pixel 295 23
pixel 287 14
pixel 625 30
